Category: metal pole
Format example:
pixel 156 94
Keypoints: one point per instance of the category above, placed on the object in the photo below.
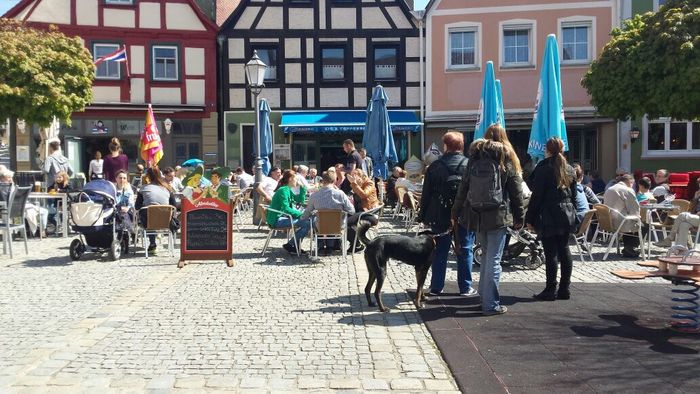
pixel 258 159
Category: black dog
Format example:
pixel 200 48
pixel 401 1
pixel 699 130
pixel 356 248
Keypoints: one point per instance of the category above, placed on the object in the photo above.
pixel 416 251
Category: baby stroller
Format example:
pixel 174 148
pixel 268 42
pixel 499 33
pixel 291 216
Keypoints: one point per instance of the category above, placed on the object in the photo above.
pixel 95 219
pixel 519 241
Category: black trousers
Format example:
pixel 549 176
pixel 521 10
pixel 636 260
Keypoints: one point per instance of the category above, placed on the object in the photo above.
pixel 556 251
pixel 630 242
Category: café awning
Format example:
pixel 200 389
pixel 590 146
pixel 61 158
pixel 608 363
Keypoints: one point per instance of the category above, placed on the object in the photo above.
pixel 342 122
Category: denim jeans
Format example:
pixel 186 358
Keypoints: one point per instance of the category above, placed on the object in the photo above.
pixel 492 243
pixel 302 228
pixel 464 261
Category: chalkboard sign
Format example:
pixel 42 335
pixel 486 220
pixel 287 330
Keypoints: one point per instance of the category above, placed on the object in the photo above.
pixel 206 230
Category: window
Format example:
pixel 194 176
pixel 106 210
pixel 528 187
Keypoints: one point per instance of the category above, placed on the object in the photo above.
pixel 385 62
pixel 333 63
pixel 516 46
pixel 128 2
pixel 576 38
pixel 672 137
pixel 269 57
pixel 107 69
pixel 462 49
pixel 165 64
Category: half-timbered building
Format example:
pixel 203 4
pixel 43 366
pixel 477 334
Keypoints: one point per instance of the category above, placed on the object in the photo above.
pixel 171 51
pixel 324 58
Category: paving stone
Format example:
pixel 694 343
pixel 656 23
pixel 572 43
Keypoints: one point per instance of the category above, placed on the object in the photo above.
pixel 193 382
pixel 305 383
pixel 344 384
pixel 161 382
pixel 406 384
pixel 222 382
pixel 252 383
pixel 375 384
pixel 438 385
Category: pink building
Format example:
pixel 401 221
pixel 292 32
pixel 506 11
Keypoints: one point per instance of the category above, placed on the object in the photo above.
pixel 463 35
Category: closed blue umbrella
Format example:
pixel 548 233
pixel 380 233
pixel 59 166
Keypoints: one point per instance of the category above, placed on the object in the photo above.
pixel 378 139
pixel 501 110
pixel 549 119
pixel 265 136
pixel 488 105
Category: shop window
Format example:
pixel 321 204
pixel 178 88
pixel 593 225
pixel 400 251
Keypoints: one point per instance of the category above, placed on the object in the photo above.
pixel 666 137
pixel 108 69
pixel 304 152
pixel 187 127
pixel 385 64
pixel 165 63
pixel 333 63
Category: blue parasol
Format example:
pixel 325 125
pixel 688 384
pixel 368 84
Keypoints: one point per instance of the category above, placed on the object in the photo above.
pixel 378 139
pixel 549 119
pixel 265 136
pixel 489 106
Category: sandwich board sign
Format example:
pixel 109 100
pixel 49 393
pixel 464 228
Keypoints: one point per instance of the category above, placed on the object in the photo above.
pixel 206 227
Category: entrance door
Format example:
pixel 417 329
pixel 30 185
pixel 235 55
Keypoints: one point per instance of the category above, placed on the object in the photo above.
pixel 74 153
pixel 583 148
pixel 186 148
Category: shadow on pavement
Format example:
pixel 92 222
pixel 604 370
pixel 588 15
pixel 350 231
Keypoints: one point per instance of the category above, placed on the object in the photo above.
pixel 607 338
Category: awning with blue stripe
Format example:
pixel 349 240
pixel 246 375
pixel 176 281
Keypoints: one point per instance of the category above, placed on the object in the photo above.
pixel 342 122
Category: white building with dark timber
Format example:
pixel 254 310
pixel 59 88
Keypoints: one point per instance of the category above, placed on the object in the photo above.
pixel 324 58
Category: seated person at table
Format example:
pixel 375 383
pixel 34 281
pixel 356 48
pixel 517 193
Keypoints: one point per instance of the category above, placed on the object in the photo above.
pixel 328 197
pixel 284 200
pixel 622 198
pixel 268 185
pixel 174 182
pixel 662 187
pixel 643 192
pixel 597 184
pixel 364 191
pixel 683 223
pixel 404 182
pixel 61 183
pixel 156 191
pixel 124 203
pixel 341 182
pixel 391 196
pixel 585 198
pixel 313 177
pixel 31 210
pixel 245 180
pixel 619 173
pixel 301 178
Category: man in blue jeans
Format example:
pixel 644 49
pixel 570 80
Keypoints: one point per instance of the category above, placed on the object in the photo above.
pixel 439 190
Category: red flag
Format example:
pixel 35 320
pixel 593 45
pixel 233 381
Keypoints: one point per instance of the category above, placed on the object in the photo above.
pixel 151 145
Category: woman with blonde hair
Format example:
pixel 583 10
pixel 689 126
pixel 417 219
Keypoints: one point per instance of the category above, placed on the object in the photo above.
pixel 365 196
pixel 552 213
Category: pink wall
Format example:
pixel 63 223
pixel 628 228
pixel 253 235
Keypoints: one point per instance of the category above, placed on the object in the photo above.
pixel 461 90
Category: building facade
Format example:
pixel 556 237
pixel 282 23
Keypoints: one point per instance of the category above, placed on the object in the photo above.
pixel 663 143
pixel 463 36
pixel 171 50
pixel 324 58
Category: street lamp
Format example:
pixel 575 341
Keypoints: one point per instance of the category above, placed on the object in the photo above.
pixel 255 74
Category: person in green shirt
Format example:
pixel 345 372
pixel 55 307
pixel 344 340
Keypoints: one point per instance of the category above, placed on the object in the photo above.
pixel 284 200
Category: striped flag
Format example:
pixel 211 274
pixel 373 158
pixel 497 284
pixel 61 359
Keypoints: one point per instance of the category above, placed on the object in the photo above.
pixel 151 146
pixel 117 56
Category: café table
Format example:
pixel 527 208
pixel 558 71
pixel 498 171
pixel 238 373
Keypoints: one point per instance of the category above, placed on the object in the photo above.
pixel 63 197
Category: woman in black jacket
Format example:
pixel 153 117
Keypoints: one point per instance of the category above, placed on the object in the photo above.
pixel 552 213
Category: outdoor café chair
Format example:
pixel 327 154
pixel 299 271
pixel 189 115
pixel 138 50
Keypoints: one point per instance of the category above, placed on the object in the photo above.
pixel 665 222
pixel 605 227
pixel 273 230
pixel 329 224
pixel 581 236
pixel 400 193
pixel 13 219
pixel 158 218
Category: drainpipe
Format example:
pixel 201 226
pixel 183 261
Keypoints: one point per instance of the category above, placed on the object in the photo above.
pixel 221 133
pixel 421 19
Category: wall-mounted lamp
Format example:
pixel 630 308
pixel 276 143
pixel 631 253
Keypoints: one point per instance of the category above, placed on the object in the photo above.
pixel 634 134
pixel 168 125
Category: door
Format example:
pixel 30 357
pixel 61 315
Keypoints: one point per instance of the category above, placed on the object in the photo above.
pixel 74 153
pixel 185 149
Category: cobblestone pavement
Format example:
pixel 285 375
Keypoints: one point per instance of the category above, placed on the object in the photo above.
pixel 269 324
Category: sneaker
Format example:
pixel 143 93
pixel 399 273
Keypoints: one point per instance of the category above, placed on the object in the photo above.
pixel 292 250
pixel 630 253
pixel 152 250
pixel 501 309
pixel 469 293
pixel 358 249
pixel 433 293
pixel 664 243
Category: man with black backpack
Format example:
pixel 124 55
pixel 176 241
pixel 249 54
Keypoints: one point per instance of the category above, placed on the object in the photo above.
pixel 440 187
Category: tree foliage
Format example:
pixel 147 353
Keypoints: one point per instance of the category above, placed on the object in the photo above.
pixel 42 74
pixel 650 66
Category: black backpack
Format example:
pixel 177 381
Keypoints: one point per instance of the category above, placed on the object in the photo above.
pixel 448 189
pixel 485 187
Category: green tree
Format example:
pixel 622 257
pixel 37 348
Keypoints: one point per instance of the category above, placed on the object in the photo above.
pixel 650 66
pixel 42 74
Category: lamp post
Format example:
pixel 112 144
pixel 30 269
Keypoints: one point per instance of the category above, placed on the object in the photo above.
pixel 255 74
